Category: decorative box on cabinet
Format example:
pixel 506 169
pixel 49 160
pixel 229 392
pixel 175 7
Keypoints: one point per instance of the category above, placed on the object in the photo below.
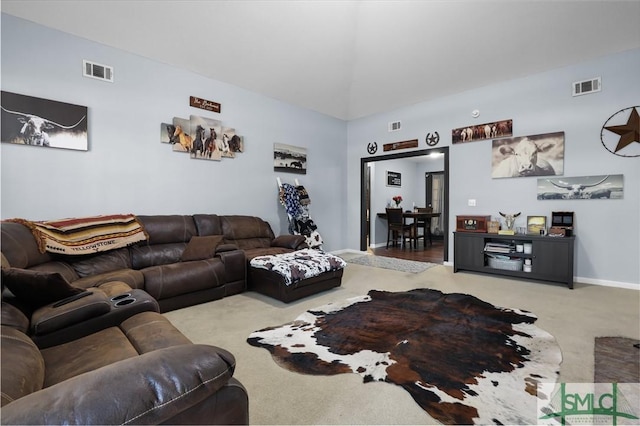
pixel 466 223
pixel 551 258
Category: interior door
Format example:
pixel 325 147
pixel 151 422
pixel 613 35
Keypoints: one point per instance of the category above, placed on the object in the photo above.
pixel 435 188
pixel 367 195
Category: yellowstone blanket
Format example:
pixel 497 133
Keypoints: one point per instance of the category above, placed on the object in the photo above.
pixel 86 235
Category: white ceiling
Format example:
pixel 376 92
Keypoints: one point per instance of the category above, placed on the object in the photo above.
pixel 350 59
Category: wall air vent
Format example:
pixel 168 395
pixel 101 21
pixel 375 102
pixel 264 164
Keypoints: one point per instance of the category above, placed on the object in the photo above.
pixel 587 86
pixel 394 126
pixel 97 71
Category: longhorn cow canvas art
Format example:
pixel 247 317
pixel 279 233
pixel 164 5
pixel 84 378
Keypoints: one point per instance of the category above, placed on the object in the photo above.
pixel 581 188
pixel 27 120
pixel 535 155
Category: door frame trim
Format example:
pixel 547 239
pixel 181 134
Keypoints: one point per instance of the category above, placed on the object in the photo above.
pixel 445 213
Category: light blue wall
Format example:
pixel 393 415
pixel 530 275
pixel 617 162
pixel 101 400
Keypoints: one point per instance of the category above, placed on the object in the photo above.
pixel 127 169
pixel 608 231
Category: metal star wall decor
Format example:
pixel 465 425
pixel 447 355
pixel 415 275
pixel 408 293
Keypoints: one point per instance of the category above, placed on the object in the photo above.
pixel 372 148
pixel 618 136
pixel 432 139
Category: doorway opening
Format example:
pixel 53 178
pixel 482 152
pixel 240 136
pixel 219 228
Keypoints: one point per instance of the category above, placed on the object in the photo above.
pixel 368 212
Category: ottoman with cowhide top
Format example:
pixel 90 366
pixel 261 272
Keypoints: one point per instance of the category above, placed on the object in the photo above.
pixel 291 276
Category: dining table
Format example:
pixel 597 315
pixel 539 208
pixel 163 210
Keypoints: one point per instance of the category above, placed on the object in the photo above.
pixel 410 214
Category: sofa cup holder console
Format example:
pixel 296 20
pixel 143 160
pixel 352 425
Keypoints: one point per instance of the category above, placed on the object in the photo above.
pixel 123 299
pixel 124 302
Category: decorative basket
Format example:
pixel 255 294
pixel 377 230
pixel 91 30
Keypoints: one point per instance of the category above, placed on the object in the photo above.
pixel 508 265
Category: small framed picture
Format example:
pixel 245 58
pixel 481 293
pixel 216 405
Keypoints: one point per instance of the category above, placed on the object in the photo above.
pixel 394 178
pixel 536 224
pixel 493 226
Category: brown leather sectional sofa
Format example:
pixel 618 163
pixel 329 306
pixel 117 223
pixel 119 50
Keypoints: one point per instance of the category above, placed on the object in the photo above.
pixel 107 356
pixel 156 265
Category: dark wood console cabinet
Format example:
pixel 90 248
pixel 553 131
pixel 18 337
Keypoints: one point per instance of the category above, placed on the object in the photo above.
pixel 551 257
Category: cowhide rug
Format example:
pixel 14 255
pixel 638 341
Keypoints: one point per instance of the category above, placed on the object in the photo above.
pixel 463 360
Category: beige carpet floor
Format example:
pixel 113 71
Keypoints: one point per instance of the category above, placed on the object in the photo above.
pixel 277 396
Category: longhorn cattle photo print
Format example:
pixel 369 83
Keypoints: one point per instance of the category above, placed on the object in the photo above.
pixel 27 120
pixel 581 188
pixel 536 155
pixel 480 132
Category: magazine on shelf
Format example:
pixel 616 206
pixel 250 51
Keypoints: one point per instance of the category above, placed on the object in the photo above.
pixel 499 247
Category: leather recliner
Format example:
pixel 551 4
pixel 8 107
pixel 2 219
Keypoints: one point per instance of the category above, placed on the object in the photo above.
pixel 142 371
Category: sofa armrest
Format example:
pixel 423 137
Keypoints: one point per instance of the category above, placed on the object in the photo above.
pixel 147 389
pixel 235 265
pixel 226 247
pixel 294 242
pixel 69 311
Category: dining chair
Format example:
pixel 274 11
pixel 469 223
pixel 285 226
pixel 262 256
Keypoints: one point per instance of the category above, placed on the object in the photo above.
pixel 397 227
pixel 425 224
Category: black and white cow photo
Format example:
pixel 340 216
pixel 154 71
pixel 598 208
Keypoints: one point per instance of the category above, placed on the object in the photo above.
pixel 536 155
pixel 27 120
pixel 581 188
pixel 289 158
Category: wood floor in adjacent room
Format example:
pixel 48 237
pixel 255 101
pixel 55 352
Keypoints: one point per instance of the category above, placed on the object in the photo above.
pixel 433 253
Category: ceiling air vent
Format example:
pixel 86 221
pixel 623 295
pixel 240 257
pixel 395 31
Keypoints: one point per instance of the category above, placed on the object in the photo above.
pixel 587 86
pixel 394 126
pixel 97 71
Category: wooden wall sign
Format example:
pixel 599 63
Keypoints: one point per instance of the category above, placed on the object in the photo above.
pixel 204 104
pixel 400 145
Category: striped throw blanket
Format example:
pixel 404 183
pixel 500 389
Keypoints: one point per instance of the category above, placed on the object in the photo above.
pixel 86 235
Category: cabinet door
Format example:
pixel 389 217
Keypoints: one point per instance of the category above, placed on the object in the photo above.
pixel 468 251
pixel 553 260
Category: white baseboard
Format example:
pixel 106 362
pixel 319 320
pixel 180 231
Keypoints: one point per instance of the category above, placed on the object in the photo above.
pixel 607 283
pixel 582 280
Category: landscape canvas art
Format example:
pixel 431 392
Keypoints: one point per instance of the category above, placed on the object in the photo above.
pixel 27 120
pixel 289 158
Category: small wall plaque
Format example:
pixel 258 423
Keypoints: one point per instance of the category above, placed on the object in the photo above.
pixel 394 178
pixel 400 145
pixel 204 104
